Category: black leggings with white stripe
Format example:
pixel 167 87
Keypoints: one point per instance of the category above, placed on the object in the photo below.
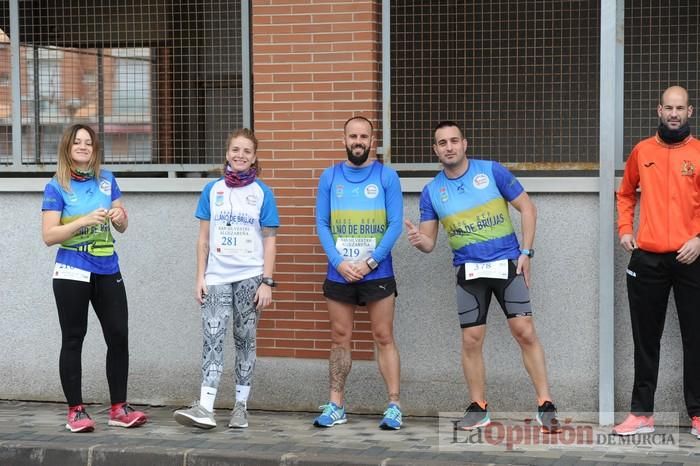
pixel 108 297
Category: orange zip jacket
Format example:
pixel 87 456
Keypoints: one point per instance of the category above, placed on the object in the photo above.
pixel 669 178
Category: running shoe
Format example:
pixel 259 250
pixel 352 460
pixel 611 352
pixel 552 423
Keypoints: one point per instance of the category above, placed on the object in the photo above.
pixel 332 415
pixel 196 416
pixel 126 416
pixel 635 425
pixel 695 426
pixel 474 417
pixel 239 416
pixel 547 418
pixel 392 418
pixel 79 420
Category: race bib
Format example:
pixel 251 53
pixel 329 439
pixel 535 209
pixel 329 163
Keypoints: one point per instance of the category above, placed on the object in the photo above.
pixel 493 269
pixel 230 240
pixel 355 249
pixel 66 272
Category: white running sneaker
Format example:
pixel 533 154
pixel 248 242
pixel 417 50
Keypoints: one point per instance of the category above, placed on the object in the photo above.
pixel 196 416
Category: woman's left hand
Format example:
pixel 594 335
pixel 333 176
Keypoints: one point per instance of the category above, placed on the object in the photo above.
pixel 263 297
pixel 117 215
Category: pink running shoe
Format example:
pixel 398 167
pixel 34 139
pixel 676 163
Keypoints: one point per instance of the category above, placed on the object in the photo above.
pixel 126 416
pixel 695 426
pixel 78 420
pixel 635 425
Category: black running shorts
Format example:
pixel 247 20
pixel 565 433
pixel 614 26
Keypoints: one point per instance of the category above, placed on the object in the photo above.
pixel 360 293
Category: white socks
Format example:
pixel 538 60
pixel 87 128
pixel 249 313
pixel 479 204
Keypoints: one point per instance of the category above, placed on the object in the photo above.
pixel 207 396
pixel 242 392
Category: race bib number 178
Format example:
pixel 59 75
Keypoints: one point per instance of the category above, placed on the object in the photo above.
pixel 493 269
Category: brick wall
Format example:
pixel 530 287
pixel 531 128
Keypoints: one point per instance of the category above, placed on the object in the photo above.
pixel 315 64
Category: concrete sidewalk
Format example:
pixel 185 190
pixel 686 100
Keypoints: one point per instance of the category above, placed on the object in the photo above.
pixel 34 434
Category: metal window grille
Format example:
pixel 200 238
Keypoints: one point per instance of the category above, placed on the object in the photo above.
pixel 662 48
pixel 159 80
pixel 520 77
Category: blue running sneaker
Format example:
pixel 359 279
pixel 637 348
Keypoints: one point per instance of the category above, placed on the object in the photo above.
pixel 392 418
pixel 332 414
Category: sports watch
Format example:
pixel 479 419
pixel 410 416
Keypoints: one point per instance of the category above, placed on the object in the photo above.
pixel 269 282
pixel 528 252
pixel 371 263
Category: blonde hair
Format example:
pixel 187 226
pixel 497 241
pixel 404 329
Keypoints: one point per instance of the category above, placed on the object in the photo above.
pixel 249 135
pixel 65 162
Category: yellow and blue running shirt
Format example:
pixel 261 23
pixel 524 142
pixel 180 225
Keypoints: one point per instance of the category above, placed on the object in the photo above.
pixel 473 209
pixel 83 198
pixel 359 213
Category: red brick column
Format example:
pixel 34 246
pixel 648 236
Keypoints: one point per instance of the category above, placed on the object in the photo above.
pixel 315 64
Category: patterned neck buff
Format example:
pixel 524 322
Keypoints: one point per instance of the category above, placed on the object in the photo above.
pixel 238 179
pixel 79 175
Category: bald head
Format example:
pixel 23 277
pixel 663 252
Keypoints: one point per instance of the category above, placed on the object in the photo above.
pixel 675 93
pixel 674 109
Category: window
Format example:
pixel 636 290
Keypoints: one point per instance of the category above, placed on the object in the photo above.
pixel 159 80
pixel 520 77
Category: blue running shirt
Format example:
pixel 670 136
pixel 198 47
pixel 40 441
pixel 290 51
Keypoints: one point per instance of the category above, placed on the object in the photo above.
pixel 359 213
pixel 473 209
pixel 237 216
pixel 84 197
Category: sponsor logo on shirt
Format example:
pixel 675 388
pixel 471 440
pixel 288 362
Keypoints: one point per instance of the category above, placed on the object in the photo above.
pixel 688 168
pixel 251 199
pixel 371 191
pixel 443 194
pixel 481 181
pixel 339 190
pixel 106 187
pixel 219 199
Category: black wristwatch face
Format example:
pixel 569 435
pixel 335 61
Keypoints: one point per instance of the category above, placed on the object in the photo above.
pixel 269 282
pixel 532 253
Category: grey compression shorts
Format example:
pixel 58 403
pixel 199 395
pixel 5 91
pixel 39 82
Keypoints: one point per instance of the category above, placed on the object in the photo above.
pixel 474 296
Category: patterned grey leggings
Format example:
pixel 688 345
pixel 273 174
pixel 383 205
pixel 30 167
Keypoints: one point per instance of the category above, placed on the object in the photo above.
pixel 220 301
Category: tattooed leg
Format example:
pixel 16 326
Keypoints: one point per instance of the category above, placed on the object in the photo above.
pixel 340 360
pixel 339 366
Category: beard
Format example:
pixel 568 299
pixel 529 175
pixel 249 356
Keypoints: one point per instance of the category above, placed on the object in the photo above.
pixel 357 159
pixel 673 136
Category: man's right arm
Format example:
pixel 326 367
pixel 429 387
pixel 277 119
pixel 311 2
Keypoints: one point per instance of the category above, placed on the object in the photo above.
pixel 424 236
pixel 627 201
pixel 323 219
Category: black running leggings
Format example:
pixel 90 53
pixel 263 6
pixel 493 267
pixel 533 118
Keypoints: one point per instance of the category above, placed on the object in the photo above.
pixel 108 297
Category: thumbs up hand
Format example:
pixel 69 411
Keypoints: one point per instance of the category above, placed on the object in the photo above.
pixel 414 236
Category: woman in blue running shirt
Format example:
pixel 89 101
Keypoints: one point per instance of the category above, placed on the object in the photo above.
pixel 236 251
pixel 82 203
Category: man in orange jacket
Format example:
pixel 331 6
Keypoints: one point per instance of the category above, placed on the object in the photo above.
pixel 664 255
